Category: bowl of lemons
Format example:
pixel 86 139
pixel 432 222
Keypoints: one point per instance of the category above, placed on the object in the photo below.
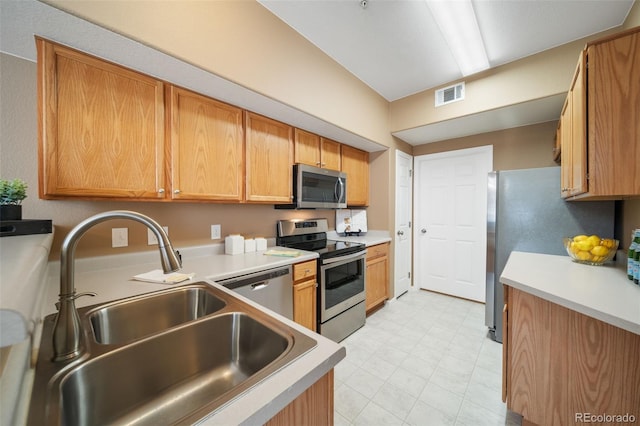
pixel 590 250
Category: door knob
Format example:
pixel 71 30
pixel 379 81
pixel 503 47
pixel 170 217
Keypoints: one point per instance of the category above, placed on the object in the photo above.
pixel 400 232
pixel 423 230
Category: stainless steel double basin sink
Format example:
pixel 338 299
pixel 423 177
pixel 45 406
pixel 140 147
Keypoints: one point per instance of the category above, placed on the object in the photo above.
pixel 169 357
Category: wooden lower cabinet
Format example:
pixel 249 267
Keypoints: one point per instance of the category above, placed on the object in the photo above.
pixel 305 294
pixel 377 276
pixel 560 364
pixel 313 407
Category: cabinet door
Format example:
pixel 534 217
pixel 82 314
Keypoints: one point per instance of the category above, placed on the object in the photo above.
pixel 307 148
pixel 377 279
pixel 269 160
pixel 578 131
pixel 304 271
pixel 330 154
pixel 207 148
pixel 304 304
pixel 573 136
pixel 101 128
pixel 355 163
pixel 614 108
pixel 566 149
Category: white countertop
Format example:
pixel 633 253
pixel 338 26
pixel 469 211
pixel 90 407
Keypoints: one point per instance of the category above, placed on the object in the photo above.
pixel 110 278
pixel 370 238
pixel 601 292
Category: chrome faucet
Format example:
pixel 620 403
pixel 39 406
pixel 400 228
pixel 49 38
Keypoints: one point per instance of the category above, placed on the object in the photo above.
pixel 67 332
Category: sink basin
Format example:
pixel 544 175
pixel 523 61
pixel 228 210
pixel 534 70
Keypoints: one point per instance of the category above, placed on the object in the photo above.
pixel 164 379
pixel 129 320
pixel 178 374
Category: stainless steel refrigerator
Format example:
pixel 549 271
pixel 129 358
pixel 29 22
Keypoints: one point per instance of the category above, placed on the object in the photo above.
pixel 526 213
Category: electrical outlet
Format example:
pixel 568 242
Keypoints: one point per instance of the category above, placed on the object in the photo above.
pixel 119 237
pixel 215 232
pixel 151 237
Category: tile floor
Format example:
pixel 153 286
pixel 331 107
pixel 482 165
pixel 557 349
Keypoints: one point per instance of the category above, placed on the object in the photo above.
pixel 423 359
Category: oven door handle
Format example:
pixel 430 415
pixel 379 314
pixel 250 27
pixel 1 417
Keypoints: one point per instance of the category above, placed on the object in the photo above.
pixel 341 258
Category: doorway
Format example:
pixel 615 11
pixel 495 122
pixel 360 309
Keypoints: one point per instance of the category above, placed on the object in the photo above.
pixel 404 210
pixel 450 212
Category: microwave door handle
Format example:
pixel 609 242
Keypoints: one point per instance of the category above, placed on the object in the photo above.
pixel 340 194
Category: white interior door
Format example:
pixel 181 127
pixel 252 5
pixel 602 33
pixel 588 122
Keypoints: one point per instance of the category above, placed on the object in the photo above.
pixel 451 221
pixel 404 209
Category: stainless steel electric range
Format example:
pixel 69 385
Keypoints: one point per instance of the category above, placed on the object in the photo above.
pixel 341 275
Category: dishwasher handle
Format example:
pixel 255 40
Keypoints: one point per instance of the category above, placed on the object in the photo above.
pixel 256 281
pixel 260 285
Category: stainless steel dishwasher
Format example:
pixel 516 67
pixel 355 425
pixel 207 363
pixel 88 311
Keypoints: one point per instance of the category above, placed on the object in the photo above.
pixel 272 288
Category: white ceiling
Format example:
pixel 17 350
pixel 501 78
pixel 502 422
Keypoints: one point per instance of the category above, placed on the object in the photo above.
pixel 396 48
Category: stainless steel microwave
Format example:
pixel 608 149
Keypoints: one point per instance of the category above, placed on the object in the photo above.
pixel 316 188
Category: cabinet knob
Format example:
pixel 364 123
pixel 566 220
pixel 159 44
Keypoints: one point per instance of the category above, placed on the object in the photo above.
pixel 401 233
pixel 161 191
pixel 176 191
pixel 423 230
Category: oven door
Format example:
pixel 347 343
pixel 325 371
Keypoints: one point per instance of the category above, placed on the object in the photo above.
pixel 342 281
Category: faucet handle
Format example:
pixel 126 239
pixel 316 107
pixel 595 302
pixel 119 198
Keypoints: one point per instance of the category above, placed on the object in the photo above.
pixel 75 296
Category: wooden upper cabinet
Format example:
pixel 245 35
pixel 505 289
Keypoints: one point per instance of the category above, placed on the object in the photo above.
pixel 101 128
pixel 603 142
pixel 269 160
pixel 355 163
pixel 613 111
pixel 316 151
pixel 573 136
pixel 307 148
pixel 579 131
pixel 207 148
pixel 330 154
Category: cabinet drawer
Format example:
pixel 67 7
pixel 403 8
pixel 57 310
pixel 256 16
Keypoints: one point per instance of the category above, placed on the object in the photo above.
pixel 377 251
pixel 304 270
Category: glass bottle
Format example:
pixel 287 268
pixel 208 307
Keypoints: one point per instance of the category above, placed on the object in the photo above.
pixel 630 256
pixel 635 246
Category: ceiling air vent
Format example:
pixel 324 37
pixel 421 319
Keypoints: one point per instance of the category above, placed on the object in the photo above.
pixel 450 94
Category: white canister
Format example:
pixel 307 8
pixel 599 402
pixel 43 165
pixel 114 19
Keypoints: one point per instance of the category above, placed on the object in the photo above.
pixel 261 244
pixel 249 245
pixel 234 244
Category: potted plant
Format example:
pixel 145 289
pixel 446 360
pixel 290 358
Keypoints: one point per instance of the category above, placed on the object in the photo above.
pixel 12 192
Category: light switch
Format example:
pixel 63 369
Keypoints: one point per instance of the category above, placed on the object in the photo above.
pixel 119 237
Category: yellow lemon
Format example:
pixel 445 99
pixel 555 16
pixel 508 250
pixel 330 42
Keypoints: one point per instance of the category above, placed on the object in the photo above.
pixel 583 255
pixel 584 245
pixel 608 243
pixel 600 251
pixel 594 240
pixel 574 248
pixel 579 238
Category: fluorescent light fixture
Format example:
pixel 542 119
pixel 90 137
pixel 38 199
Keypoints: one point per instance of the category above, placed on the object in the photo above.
pixel 458 25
